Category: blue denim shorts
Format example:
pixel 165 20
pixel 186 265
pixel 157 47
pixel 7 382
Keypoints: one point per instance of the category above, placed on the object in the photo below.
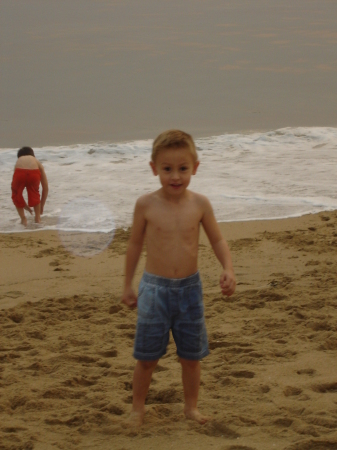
pixel 170 303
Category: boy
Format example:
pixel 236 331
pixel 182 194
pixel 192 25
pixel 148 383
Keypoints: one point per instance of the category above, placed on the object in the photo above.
pixel 28 173
pixel 169 294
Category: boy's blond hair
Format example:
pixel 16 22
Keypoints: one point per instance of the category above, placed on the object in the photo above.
pixel 173 139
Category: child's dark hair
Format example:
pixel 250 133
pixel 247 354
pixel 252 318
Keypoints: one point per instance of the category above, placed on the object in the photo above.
pixel 25 151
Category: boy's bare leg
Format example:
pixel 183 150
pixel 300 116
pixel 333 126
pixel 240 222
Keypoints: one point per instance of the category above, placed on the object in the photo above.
pixel 141 382
pixel 27 208
pixel 37 213
pixel 191 383
pixel 21 213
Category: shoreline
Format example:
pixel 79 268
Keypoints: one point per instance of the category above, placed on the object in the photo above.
pixel 272 219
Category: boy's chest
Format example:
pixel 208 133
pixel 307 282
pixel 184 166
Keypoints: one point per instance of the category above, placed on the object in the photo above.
pixel 177 220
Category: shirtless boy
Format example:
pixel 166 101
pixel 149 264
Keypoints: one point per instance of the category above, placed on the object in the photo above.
pixel 169 294
pixel 28 173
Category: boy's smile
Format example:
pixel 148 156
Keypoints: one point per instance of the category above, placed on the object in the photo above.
pixel 175 166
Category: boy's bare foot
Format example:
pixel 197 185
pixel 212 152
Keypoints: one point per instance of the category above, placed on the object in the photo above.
pixel 24 222
pixel 194 414
pixel 135 419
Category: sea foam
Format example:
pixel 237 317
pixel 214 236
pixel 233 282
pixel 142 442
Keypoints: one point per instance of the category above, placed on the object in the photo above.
pixel 284 173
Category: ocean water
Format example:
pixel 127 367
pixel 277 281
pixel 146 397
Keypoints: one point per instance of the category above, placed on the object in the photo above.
pixel 93 187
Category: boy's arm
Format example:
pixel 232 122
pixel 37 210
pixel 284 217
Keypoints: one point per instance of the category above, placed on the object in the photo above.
pixel 220 248
pixel 44 183
pixel 133 252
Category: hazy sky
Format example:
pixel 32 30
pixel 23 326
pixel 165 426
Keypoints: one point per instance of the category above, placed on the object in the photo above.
pixel 90 70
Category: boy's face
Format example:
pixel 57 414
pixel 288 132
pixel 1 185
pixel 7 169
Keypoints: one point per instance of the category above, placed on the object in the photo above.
pixel 174 167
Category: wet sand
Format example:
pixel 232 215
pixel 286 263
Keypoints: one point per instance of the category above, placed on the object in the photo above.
pixel 270 381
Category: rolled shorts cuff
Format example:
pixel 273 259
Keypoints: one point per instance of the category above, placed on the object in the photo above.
pixel 193 356
pixel 148 356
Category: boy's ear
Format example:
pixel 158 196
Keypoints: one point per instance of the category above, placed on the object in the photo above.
pixel 196 165
pixel 153 167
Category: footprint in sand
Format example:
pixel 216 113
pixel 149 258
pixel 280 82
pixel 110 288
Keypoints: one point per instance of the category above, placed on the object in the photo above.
pixel 325 387
pixel 113 409
pixel 242 374
pixel 169 395
pixel 291 391
pixel 115 309
pixel 329 344
pixel 314 445
pixel 239 447
pixel 283 422
pixel 306 372
pixel 14 294
pixel 16 317
pixel 109 353
pixel 217 428
pixel 325 422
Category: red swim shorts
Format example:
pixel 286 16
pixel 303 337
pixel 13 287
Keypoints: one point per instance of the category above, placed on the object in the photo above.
pixel 29 179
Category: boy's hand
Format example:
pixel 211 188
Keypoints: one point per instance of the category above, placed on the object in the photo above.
pixel 227 282
pixel 129 298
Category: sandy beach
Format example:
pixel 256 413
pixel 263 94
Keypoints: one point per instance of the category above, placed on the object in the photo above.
pixel 269 383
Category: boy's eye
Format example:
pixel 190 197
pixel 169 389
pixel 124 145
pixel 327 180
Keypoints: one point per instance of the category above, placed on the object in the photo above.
pixel 167 169
pixel 183 168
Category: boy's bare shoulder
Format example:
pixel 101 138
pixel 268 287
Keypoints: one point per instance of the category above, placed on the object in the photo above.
pixel 201 200
pixel 147 199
